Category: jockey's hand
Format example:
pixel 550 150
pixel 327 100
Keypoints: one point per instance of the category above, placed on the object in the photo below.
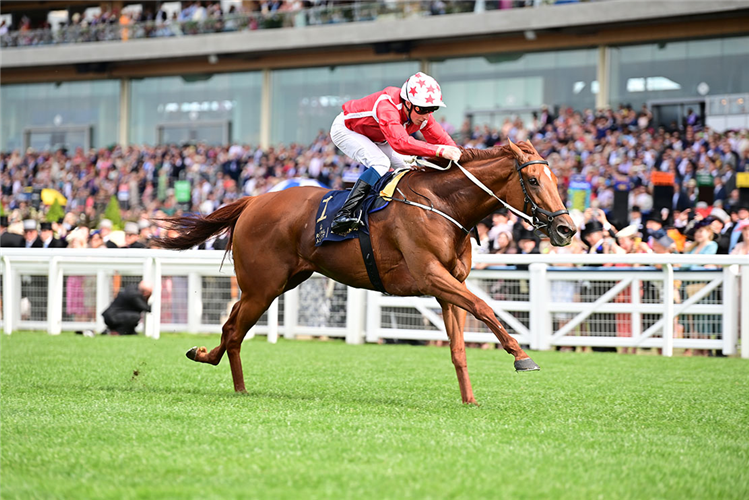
pixel 410 161
pixel 450 152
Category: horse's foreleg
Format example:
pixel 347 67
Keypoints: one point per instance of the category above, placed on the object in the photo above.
pixel 439 282
pixel 454 323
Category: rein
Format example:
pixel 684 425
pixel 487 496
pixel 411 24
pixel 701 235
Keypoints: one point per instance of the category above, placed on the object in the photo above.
pixel 532 219
pixel 429 208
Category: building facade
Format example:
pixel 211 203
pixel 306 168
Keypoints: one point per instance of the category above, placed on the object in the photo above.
pixel 287 85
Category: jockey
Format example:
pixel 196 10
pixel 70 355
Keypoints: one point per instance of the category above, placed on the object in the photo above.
pixel 376 132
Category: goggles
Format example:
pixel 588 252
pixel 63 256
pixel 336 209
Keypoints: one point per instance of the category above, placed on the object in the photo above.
pixel 424 110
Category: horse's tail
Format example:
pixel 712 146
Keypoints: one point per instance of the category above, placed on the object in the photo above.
pixel 195 229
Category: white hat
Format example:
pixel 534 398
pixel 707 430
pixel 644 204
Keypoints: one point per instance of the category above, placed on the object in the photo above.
pixel 105 224
pixel 131 228
pixel 628 231
pixel 206 207
pixel 29 225
pixel 721 214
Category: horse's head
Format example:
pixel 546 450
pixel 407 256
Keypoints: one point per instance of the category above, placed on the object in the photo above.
pixel 538 195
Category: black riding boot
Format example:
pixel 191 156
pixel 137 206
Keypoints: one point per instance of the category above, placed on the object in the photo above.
pixel 346 219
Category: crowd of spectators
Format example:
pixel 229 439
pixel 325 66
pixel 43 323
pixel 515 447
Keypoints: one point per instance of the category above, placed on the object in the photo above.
pixel 200 17
pixel 605 148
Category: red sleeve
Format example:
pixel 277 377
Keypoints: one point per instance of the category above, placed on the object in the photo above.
pixel 435 134
pixel 390 125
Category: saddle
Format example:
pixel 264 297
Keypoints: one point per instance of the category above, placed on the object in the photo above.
pixel 378 198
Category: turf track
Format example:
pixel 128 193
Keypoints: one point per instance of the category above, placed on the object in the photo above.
pixel 329 420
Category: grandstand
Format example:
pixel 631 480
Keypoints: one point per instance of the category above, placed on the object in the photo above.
pixel 279 77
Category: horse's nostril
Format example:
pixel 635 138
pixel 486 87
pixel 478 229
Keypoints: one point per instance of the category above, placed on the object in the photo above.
pixel 564 230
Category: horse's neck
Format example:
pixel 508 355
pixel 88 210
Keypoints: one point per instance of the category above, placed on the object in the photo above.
pixel 466 201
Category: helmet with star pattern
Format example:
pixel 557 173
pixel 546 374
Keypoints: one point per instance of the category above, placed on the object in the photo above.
pixel 422 90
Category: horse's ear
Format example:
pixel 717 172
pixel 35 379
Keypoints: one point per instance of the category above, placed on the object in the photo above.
pixel 532 147
pixel 516 151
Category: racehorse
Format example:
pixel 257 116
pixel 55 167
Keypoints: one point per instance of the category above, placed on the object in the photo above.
pixel 417 251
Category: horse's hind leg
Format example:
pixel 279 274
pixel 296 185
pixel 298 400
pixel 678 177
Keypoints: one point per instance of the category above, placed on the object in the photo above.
pixel 454 323
pixel 251 308
pixel 244 315
pixel 202 355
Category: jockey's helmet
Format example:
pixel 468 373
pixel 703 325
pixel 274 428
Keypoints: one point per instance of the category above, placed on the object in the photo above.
pixel 423 91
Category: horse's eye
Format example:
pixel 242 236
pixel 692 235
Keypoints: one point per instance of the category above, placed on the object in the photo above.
pixel 533 181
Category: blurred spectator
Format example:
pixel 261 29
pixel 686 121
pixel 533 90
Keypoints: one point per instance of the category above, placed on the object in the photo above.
pixel 105 230
pixel 661 242
pixel 31 235
pixel 743 247
pixel 8 239
pixel 132 236
pixel 123 315
pixel 47 236
pixel 95 240
pixel 742 215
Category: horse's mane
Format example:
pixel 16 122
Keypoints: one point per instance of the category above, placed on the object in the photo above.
pixel 494 152
pixel 470 154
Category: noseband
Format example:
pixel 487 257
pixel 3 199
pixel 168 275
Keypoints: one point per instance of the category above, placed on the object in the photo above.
pixel 535 209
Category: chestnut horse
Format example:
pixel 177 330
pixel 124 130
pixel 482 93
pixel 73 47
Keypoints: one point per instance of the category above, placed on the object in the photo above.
pixel 418 252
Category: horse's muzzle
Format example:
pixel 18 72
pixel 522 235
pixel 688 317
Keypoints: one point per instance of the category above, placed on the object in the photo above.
pixel 562 230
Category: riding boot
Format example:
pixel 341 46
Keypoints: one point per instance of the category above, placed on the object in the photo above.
pixel 346 219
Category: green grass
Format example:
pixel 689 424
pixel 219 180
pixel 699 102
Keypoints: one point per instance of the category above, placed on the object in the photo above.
pixel 329 420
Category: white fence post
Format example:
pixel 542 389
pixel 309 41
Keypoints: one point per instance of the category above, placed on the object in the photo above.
pixel 730 310
pixel 290 313
pixel 8 294
pixel 636 323
pixel 668 310
pixel 194 302
pixel 744 311
pixel 540 320
pixel 373 316
pixel 355 315
pixel 54 297
pixel 153 321
pixel 102 298
pixel 273 321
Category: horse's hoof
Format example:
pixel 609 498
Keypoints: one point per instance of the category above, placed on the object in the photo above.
pixel 526 365
pixel 192 353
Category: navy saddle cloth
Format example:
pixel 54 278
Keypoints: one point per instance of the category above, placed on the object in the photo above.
pixel 333 201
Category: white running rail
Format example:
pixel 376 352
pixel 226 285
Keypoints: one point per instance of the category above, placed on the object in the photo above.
pixel 551 300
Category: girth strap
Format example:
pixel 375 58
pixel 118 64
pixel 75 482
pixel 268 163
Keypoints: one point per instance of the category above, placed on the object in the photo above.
pixel 369 261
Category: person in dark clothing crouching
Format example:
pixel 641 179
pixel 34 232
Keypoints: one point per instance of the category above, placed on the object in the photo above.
pixel 123 315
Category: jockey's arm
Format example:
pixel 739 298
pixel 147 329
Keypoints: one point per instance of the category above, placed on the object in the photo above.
pixel 389 120
pixel 435 134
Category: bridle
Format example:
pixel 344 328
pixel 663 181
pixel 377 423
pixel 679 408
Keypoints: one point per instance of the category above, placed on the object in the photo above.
pixel 535 209
pixel 532 219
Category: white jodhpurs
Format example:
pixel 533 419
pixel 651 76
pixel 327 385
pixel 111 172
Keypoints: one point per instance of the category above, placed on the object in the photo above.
pixel 362 149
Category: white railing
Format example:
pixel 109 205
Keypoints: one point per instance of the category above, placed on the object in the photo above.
pixel 543 306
